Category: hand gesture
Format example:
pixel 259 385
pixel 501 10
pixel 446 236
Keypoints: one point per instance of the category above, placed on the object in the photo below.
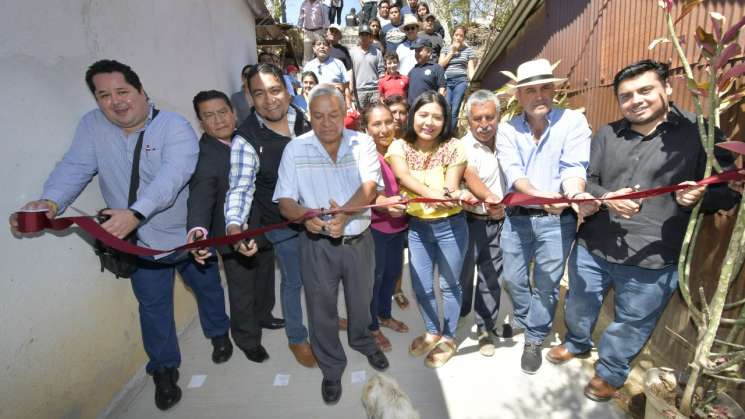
pixel 336 225
pixel 396 209
pixel 623 207
pixel 493 206
pixel 587 208
pixel 200 254
pixel 689 197
pixel 51 212
pixel 121 222
pixel 246 248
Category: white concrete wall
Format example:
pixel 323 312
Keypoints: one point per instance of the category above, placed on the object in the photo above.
pixel 70 335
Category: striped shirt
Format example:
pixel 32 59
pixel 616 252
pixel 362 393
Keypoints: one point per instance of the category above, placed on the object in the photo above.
pixel 458 65
pixel 308 175
pixel 244 165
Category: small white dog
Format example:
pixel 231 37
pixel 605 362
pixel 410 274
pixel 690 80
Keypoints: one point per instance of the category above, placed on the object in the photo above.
pixel 384 399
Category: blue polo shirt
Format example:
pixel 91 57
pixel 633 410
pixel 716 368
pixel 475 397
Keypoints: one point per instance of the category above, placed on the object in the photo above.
pixel 424 77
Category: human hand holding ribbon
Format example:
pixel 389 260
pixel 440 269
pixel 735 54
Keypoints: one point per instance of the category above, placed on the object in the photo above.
pixel 36 221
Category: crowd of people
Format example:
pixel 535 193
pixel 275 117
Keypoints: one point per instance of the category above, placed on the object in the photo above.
pixel 400 51
pixel 278 152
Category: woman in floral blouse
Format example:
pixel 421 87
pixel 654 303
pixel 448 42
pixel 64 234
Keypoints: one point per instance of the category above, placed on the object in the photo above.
pixel 429 164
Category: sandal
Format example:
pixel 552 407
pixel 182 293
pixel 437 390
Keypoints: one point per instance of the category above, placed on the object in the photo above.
pixel 401 300
pixel 441 353
pixel 423 344
pixel 381 341
pixel 393 324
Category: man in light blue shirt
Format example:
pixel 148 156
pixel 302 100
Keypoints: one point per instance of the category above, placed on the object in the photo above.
pixel 331 167
pixel 329 69
pixel 542 152
pixel 104 144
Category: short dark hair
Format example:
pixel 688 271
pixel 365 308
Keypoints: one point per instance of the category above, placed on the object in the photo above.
pixel 396 100
pixel 461 27
pixel 384 1
pixel 206 95
pixel 368 110
pixel 305 74
pixel 265 68
pixel 112 66
pixel 638 68
pixel 394 4
pixel 245 69
pixel 390 56
pixel 426 98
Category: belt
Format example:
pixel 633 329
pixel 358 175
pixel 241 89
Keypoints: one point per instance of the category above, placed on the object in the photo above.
pixel 338 241
pixel 483 217
pixel 532 212
pixel 314 29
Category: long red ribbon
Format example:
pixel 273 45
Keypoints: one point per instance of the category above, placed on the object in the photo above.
pixel 32 222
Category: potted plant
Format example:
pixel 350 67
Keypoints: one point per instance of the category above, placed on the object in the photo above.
pixel 716 358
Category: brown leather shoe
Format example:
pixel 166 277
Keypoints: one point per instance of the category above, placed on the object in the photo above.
pixel 303 354
pixel 599 390
pixel 560 354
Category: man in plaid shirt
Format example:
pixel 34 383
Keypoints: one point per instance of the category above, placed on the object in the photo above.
pixel 254 162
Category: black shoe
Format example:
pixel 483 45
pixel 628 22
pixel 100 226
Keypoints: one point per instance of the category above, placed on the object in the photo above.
pixel 257 354
pixel 222 349
pixel 531 359
pixel 272 323
pixel 378 361
pixel 331 391
pixel 167 392
pixel 507 331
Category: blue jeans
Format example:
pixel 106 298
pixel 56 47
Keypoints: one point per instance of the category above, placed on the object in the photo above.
pixel 455 90
pixel 152 284
pixel 285 242
pixel 443 243
pixel 640 298
pixel 547 239
pixel 389 260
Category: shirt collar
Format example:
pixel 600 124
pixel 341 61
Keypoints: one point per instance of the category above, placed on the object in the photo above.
pixel 550 117
pixel 291 116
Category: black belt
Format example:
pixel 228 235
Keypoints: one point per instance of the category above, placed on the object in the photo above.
pixel 533 212
pixel 337 241
pixel 315 29
pixel 483 217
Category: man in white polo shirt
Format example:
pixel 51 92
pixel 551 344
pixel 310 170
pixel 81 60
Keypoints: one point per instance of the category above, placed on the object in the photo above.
pixel 483 179
pixel 333 167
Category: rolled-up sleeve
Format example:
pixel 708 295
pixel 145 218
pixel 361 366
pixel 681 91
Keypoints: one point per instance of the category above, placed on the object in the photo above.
pixel 244 164
pixel 509 155
pixel 179 159
pixel 77 168
pixel 369 163
pixel 287 184
pixel 575 155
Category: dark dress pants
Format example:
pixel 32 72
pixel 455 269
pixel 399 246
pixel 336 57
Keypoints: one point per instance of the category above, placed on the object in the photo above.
pixel 483 252
pixel 250 292
pixel 325 263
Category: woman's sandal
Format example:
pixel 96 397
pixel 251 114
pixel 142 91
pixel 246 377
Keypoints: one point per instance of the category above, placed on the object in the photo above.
pixel 401 300
pixel 381 341
pixel 393 324
pixel 441 353
pixel 423 344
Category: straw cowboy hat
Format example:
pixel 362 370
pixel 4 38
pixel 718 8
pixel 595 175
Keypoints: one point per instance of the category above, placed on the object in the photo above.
pixel 410 20
pixel 531 73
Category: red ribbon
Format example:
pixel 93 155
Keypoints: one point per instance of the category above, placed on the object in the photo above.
pixel 32 222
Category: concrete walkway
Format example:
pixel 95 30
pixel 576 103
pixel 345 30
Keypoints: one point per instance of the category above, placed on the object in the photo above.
pixel 470 386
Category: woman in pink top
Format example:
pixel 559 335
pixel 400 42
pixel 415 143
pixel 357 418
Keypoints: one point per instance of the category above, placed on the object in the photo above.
pixel 388 230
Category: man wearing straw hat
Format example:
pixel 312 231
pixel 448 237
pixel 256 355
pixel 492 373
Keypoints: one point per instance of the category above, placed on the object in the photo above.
pixel 544 152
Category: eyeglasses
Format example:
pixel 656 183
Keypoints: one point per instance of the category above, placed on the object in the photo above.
pixel 410 28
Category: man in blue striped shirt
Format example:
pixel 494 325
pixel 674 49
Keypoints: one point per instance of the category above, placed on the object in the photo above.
pixel 333 167
pixel 104 144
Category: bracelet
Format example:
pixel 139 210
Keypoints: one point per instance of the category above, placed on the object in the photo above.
pixel 573 195
pixel 54 205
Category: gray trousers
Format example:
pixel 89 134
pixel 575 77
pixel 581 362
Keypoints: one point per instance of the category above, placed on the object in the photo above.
pixel 324 263
pixel 484 252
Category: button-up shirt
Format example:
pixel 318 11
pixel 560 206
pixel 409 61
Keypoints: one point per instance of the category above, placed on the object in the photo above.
pixel 562 152
pixel 312 16
pixel 308 175
pixel 622 158
pixel 170 150
pixel 244 165
pixel 406 57
pixel 329 71
pixel 484 162
pixel 393 84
